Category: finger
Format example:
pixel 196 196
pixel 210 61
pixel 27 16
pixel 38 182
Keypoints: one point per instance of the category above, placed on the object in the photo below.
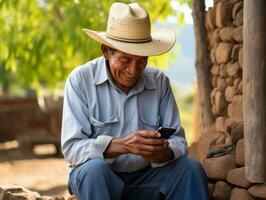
pixel 149 134
pixel 152 141
pixel 150 148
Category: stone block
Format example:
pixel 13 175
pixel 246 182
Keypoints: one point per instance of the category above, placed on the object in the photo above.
pixel 13 192
pixel 226 34
pixel 222 190
pixel 214 81
pixel 212 96
pixel 235 129
pixel 228 140
pixel 235 109
pixel 258 191
pixel 46 198
pixel 73 197
pixel 221 140
pixel 220 124
pixel 229 93
pixel 220 105
pixel 229 81
pixel 238 193
pixel 212 55
pixel 237 7
pixel 216 37
pixel 235 52
pixel 236 82
pixel 237 177
pixel 210 22
pixel 57 198
pixel 240 152
pixel 17 196
pixel 215 70
pixel 223 52
pixel 238 21
pixel 222 14
pixel 218 167
pixel 211 187
pixel 221 84
pixel 211 42
pixel 237 34
pixel 233 69
pixel 223 72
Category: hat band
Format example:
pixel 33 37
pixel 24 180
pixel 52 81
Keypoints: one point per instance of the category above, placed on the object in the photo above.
pixel 129 40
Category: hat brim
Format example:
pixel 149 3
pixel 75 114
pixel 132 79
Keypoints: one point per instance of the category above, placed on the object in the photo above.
pixel 162 41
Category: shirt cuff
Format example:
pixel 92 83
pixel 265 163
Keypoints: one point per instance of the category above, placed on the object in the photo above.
pixel 99 145
pixel 159 164
pixel 175 149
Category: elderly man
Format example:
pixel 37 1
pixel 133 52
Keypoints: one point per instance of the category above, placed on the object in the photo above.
pixel 112 107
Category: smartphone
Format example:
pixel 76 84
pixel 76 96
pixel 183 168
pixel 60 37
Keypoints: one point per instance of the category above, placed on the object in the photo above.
pixel 166 132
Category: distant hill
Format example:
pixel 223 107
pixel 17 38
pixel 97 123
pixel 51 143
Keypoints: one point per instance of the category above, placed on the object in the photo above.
pixel 182 71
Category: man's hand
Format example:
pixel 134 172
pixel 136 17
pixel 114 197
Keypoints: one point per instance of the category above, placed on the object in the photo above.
pixel 148 144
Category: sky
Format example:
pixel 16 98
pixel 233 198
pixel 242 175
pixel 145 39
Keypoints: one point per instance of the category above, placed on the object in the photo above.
pixel 187 11
pixel 182 71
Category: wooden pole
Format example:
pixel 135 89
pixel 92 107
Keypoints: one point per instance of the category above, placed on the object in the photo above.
pixel 203 65
pixel 254 87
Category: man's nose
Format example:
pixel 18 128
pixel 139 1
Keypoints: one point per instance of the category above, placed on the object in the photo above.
pixel 133 69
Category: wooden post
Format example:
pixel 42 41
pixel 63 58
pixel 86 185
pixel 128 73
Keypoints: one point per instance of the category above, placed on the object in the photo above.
pixel 203 65
pixel 254 87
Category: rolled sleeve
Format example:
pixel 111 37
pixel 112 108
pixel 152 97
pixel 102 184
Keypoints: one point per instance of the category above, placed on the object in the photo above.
pixel 169 117
pixel 77 142
pixel 98 146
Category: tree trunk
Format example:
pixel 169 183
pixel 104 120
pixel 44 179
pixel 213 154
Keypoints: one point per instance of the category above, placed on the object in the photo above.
pixel 202 64
pixel 254 75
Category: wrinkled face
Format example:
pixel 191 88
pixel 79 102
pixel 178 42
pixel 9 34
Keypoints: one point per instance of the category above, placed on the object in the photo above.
pixel 125 69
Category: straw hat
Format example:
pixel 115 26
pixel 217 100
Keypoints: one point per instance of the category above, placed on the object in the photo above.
pixel 129 30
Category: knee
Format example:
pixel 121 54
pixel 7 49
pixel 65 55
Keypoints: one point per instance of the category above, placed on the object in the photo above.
pixel 94 169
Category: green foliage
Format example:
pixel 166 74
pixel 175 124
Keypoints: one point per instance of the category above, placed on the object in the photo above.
pixel 41 40
pixel 188 2
pixel 185 101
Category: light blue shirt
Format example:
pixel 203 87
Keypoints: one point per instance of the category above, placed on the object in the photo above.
pixel 96 110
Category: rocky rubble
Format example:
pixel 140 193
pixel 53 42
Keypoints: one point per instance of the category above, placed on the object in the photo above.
pixel 14 192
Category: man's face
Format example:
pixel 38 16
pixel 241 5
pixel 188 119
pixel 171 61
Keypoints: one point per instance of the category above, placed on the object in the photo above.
pixel 125 68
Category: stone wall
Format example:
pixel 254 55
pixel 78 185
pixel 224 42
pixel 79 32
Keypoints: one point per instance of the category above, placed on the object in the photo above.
pixel 22 119
pixel 225 166
pixel 14 192
pixel 20 193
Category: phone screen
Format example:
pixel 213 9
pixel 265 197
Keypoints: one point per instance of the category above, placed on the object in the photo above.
pixel 166 132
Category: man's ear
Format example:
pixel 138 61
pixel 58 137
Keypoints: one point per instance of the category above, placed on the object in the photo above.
pixel 105 51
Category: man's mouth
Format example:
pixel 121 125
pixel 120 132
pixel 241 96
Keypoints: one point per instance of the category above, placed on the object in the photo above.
pixel 129 76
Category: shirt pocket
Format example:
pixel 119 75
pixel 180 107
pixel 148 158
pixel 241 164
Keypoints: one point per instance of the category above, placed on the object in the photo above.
pixel 149 123
pixel 100 127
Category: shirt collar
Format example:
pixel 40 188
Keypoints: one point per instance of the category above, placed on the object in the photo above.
pixel 102 74
pixel 149 81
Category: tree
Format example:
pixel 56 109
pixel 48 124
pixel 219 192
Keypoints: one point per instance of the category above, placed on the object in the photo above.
pixel 254 81
pixel 202 65
pixel 41 41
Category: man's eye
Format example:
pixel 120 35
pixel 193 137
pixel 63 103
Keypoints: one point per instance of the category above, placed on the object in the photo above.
pixel 124 60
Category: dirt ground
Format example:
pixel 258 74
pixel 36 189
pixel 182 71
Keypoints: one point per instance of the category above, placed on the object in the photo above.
pixel 46 174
